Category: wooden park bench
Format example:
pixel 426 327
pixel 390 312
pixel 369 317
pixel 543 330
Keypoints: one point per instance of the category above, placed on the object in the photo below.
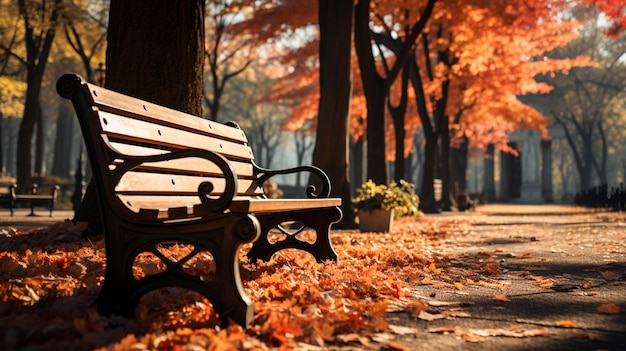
pixel 166 178
pixel 36 196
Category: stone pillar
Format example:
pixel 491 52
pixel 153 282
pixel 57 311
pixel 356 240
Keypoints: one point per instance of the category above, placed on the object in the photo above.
pixel 546 171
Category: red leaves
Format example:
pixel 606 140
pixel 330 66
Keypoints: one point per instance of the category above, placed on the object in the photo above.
pixel 382 289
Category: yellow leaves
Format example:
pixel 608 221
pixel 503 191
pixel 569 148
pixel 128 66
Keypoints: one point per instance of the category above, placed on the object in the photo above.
pixel 12 94
pixel 609 308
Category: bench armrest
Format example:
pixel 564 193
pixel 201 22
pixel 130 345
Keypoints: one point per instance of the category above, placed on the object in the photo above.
pixel 214 203
pixel 311 190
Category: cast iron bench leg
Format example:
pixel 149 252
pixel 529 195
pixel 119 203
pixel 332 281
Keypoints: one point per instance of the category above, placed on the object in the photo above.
pixel 319 220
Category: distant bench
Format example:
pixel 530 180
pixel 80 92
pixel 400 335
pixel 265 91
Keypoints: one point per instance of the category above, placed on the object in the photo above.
pixel 37 196
pixel 165 179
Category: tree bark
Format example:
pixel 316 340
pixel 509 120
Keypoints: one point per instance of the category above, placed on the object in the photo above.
pixel 331 145
pixel 375 96
pixel 155 52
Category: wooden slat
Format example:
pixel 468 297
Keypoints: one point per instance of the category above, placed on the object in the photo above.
pixel 141 131
pixel 158 183
pixel 191 165
pixel 108 100
pixel 260 205
pixel 179 207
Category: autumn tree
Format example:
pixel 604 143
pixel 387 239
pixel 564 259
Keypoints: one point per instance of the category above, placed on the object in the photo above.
pixel 376 85
pixel 467 74
pixel 84 27
pixel 314 75
pixel 30 45
pixel 227 54
pixel 332 144
pixel 583 100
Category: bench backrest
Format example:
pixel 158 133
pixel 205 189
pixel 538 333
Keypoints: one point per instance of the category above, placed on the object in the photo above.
pixel 116 123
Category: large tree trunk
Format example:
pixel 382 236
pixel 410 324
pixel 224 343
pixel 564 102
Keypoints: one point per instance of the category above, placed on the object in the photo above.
pixel 427 196
pixel 375 96
pixel 431 134
pixel 447 196
pixel 155 52
pixel 397 114
pixel 332 143
pixel 458 166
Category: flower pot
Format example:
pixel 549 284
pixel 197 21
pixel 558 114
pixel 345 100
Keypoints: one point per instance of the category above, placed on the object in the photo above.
pixel 376 220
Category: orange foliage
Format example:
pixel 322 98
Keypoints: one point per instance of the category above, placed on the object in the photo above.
pixel 497 47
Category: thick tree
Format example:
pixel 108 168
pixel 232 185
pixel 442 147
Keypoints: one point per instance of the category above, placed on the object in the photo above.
pixel 155 52
pixel 331 145
pixel 376 86
pixel 39 29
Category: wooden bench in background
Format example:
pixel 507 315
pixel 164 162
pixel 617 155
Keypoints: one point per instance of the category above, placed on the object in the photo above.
pixel 167 178
pixel 36 196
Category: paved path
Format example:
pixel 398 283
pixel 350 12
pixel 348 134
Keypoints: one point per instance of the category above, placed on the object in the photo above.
pixel 559 265
pixel 22 220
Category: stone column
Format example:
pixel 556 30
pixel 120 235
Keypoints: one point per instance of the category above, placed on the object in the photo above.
pixel 546 171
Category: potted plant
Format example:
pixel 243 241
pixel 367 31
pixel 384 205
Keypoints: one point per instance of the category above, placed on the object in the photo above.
pixel 377 205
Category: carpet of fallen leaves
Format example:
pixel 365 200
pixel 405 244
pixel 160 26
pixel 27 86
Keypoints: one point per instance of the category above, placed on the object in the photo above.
pixel 50 278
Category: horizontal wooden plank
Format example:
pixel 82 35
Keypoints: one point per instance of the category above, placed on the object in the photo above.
pixel 149 133
pixel 163 184
pixel 114 102
pixel 261 205
pixel 35 196
pixel 191 165
pixel 180 207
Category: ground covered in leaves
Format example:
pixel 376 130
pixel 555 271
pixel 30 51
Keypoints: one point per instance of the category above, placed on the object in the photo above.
pixel 437 282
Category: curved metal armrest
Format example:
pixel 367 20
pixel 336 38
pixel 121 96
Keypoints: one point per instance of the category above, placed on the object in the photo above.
pixel 204 189
pixel 311 191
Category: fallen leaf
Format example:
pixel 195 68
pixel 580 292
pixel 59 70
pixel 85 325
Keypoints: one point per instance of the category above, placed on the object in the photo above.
pixel 471 337
pixel 609 308
pixel 443 330
pixel 396 346
pixel 423 315
pixel 402 330
pixel 610 275
pixel 569 323
pixel 512 333
pixel 502 298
